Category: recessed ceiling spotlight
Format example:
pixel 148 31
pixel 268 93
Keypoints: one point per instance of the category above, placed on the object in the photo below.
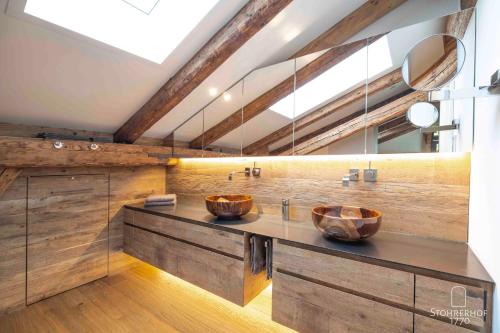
pixel 212 91
pixel 227 96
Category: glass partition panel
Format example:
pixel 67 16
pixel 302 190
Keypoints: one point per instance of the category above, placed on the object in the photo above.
pixel 268 110
pixel 329 98
pixel 223 119
pixel 181 139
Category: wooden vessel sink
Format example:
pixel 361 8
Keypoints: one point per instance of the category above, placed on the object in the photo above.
pixel 230 206
pixel 346 223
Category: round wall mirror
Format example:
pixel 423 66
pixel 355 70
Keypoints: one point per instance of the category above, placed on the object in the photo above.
pixel 433 62
pixel 422 114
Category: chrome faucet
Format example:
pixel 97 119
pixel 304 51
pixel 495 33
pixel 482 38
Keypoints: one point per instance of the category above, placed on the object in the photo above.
pixel 246 172
pixel 285 209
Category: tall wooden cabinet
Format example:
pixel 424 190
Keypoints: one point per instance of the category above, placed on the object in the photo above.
pixel 67 233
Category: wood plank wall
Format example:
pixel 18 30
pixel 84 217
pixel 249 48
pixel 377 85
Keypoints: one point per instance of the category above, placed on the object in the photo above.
pixel 419 194
pixel 126 185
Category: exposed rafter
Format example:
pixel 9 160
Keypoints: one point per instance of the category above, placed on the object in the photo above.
pixel 337 123
pixel 355 22
pixel 369 12
pixel 456 24
pixel 374 118
pixel 247 22
pixel 395 131
pixel 354 95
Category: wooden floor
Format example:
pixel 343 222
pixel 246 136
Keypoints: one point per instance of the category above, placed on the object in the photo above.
pixel 142 299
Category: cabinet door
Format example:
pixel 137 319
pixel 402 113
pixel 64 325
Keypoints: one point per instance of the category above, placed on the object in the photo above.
pixel 310 307
pixel 67 233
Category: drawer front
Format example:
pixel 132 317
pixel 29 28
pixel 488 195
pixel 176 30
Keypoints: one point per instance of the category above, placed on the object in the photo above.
pixel 310 307
pixel 228 242
pixel 219 274
pixel 445 298
pixel 429 325
pixel 386 283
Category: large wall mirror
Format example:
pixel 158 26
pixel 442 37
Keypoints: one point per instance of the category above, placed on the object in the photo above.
pixel 367 95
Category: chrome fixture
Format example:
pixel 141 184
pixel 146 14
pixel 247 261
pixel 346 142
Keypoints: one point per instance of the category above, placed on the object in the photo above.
pixel 94 146
pixel 353 174
pixel 285 209
pixel 370 175
pixel 246 172
pixel 255 171
pixel 345 181
pixel 58 144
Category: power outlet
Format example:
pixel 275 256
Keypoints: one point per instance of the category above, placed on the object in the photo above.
pixel 370 175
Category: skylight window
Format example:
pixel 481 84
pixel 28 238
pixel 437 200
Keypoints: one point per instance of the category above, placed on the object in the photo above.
pixel 337 79
pixel 150 29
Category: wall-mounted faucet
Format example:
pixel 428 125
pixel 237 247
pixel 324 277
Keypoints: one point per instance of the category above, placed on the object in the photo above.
pixel 246 172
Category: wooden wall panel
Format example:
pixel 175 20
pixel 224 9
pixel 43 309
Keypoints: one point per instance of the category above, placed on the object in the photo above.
pixel 419 194
pixel 13 246
pixel 127 186
pixel 67 235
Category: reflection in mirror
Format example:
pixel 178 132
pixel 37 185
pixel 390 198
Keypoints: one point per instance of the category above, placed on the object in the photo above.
pixel 269 107
pixel 181 137
pixel 226 108
pixel 327 101
pixel 433 62
pixel 422 114
pixel 388 128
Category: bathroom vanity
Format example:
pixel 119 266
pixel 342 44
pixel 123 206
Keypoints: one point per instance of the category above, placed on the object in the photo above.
pixel 388 283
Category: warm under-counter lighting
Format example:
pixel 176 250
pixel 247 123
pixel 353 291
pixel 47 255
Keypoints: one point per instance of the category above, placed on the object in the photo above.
pixel 354 157
pixel 227 97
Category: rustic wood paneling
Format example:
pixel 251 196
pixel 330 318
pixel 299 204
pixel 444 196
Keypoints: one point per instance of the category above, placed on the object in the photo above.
pixel 219 240
pixel 438 294
pixel 128 186
pixel 386 283
pixel 211 271
pixel 424 194
pixel 309 307
pixel 67 233
pixel 13 246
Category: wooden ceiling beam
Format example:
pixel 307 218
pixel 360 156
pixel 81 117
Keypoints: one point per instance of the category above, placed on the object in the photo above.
pixel 348 27
pixel 21 152
pixel 337 123
pixel 245 24
pixel 396 131
pixel 356 94
pixel 365 15
pixel 374 118
pixel 457 23
pixel 7 177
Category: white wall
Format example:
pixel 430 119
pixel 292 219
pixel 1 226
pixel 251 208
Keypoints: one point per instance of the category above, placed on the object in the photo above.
pixel 484 225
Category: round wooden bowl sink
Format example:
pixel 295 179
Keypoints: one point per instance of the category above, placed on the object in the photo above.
pixel 346 223
pixel 230 206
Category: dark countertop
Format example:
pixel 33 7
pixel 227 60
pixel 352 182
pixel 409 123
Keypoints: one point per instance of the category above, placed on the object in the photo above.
pixel 417 254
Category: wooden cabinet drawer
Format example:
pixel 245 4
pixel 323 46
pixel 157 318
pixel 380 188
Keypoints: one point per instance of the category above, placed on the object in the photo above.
pixel 228 242
pixel 217 273
pixel 389 284
pixel 445 298
pixel 429 325
pixel 310 307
